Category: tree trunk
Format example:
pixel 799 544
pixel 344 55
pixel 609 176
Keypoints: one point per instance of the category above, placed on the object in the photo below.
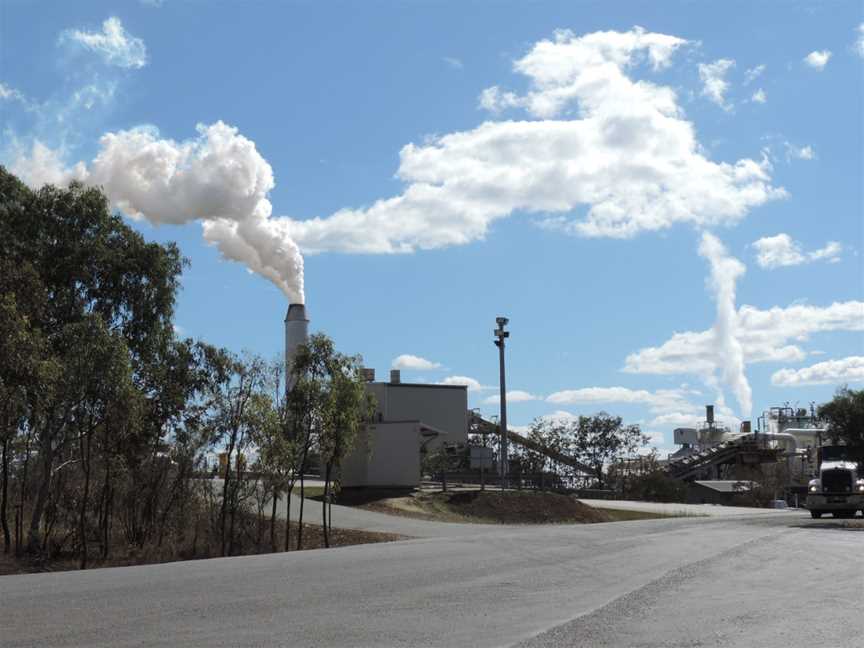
pixel 324 501
pixel 288 517
pixel 4 490
pixel 106 530
pixel 34 540
pixel 82 519
pixel 234 504
pixel 273 520
pixel 224 510
pixel 300 520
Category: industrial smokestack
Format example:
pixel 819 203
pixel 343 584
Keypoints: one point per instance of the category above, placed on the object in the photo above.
pixel 296 333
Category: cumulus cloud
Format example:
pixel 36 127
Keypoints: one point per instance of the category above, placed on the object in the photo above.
pixel 515 396
pixel 629 163
pixel 780 251
pixel 818 59
pixel 836 372
pixel 759 96
pixel 677 419
pixel 217 178
pixel 415 363
pixel 471 383
pixel 859 42
pixel 114 44
pixel 658 401
pixel 765 336
pixel 714 83
pixel 40 165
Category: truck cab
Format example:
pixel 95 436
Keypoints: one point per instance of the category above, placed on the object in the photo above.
pixel 839 488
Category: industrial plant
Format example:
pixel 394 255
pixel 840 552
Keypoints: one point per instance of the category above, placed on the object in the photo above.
pixel 718 464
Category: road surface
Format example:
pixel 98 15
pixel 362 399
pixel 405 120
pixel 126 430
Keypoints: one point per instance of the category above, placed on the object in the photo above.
pixel 778 580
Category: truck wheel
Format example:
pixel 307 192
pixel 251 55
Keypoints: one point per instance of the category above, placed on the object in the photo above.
pixel 815 515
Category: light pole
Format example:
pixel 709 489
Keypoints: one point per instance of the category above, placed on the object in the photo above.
pixel 502 335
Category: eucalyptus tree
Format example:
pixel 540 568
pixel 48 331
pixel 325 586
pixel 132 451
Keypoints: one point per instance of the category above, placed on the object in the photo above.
pixel 348 405
pixel 82 262
pixel 325 409
pixel 845 416
pixel 602 439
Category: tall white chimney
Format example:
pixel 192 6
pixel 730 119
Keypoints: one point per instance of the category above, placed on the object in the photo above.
pixel 296 333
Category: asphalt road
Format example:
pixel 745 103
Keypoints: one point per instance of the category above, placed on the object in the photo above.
pixel 774 580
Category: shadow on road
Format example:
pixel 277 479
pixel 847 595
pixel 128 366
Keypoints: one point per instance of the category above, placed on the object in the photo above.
pixel 856 524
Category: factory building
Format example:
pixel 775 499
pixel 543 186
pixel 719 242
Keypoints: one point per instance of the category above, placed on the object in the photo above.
pixel 410 419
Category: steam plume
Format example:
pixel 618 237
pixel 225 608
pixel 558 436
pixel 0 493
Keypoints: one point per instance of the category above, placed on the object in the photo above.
pixel 725 271
pixel 218 178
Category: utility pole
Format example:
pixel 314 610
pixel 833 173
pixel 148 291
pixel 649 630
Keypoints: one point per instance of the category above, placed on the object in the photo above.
pixel 502 335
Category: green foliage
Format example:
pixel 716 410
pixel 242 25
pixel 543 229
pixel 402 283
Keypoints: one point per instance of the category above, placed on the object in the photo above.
pixel 329 402
pixel 656 486
pixel 602 438
pixel 845 416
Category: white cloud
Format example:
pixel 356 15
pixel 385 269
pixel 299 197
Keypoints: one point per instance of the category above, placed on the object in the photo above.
pixel 630 163
pixel 453 62
pixel 818 59
pixel 714 83
pixel 8 93
pixel 41 165
pixel 114 44
pixel 759 96
pixel 764 335
pixel 515 396
pixel 837 372
pixel 677 419
pixel 471 383
pixel 658 401
pixel 415 363
pixel 217 178
pixel 751 74
pixel 780 250
pixel 859 42
pixel 799 152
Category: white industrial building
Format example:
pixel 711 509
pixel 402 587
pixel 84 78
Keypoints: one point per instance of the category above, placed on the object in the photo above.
pixel 410 419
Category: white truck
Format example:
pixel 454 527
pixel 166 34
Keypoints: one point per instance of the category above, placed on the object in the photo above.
pixel 839 489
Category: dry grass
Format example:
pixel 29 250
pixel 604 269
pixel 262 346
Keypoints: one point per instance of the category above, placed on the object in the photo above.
pixel 313 538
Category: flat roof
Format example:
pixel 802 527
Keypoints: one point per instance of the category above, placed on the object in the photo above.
pixel 425 385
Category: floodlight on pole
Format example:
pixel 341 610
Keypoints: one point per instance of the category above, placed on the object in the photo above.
pixel 501 335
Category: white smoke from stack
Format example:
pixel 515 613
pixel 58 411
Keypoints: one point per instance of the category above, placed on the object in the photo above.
pixel 725 271
pixel 218 178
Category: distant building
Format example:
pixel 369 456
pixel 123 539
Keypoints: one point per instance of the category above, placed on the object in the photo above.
pixel 717 491
pixel 410 419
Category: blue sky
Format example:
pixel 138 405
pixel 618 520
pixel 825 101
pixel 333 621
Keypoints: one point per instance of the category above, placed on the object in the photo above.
pixel 670 215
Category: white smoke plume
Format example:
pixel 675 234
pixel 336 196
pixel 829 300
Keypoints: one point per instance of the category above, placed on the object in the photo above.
pixel 219 178
pixel 725 272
